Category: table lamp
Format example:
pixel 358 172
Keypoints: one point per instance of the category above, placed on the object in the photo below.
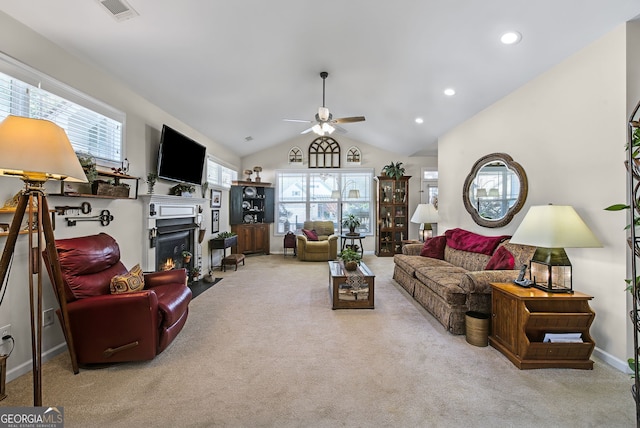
pixel 35 151
pixel 426 215
pixel 552 228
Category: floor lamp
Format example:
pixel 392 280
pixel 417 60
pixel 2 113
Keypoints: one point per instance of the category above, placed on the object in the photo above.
pixel 35 151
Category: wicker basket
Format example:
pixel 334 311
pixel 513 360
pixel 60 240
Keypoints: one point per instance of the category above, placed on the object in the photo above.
pixel 477 326
pixel 102 188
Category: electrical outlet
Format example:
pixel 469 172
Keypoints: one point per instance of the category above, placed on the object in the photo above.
pixel 5 331
pixel 47 317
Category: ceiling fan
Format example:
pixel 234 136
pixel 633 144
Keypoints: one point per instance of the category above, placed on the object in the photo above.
pixel 325 123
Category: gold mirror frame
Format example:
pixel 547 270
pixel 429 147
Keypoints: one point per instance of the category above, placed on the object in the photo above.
pixel 511 211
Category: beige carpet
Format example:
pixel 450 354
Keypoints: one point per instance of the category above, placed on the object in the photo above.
pixel 262 348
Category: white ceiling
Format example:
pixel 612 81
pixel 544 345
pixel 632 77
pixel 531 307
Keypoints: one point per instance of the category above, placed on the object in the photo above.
pixel 234 69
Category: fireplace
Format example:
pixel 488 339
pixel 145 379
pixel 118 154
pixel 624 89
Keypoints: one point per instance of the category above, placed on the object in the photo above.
pixel 173 237
pixel 171 226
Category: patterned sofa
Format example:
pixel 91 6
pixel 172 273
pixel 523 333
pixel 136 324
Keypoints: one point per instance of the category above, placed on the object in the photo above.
pixel 453 274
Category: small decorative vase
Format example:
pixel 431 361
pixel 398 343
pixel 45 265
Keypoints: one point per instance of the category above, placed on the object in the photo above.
pixel 351 265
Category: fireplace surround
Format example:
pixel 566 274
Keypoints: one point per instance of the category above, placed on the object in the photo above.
pixel 171 226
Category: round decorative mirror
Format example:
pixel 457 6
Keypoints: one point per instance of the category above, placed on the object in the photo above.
pixel 495 190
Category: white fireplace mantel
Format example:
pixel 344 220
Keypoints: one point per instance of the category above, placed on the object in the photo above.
pixel 159 207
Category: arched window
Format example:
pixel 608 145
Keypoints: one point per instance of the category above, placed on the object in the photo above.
pixel 295 156
pixel 324 152
pixel 354 156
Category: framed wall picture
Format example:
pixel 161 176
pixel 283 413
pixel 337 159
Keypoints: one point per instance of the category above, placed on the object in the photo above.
pixel 216 199
pixel 215 221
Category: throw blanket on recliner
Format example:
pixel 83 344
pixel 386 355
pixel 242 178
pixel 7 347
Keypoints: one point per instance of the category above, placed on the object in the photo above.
pixel 461 239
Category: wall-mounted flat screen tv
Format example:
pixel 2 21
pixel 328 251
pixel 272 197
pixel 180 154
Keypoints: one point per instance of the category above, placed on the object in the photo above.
pixel 180 158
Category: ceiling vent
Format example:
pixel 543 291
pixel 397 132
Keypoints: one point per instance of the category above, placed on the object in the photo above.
pixel 118 9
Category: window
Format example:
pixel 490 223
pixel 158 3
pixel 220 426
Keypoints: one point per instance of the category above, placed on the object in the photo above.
pixel 429 187
pixel 219 175
pixel 93 127
pixel 306 195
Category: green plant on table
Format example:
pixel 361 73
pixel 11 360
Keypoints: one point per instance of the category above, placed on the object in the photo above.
pixel 225 235
pixel 351 222
pixel 350 255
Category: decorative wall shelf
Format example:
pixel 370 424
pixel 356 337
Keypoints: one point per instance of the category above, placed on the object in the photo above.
pixel 117 178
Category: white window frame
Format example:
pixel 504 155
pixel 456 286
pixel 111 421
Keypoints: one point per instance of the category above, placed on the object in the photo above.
pixel 93 127
pixel 220 175
pixel 309 198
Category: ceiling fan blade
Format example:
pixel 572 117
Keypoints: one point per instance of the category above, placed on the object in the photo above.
pixel 349 119
pixel 338 128
pixel 297 120
pixel 306 131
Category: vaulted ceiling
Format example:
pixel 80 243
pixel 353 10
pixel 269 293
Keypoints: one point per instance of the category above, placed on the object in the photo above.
pixel 234 70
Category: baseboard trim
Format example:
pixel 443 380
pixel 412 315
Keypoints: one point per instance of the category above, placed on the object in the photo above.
pixel 27 366
pixel 614 362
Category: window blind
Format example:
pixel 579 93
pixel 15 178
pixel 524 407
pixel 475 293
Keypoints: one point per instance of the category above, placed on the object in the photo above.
pixel 92 127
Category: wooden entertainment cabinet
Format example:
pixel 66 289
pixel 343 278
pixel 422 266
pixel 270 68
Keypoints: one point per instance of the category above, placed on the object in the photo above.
pixel 522 316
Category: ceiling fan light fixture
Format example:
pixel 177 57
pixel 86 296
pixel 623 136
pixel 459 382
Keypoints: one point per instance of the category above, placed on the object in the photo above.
pixel 328 128
pixel 323 113
pixel 317 129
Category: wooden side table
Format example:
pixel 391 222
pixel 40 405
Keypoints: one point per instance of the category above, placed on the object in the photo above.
pixel 353 238
pixel 522 316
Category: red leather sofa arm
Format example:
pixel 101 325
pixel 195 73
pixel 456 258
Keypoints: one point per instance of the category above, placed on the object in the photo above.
pixel 109 322
pixel 154 279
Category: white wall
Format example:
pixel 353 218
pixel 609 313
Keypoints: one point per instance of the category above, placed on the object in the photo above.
pixel 567 128
pixel 143 125
pixel 372 157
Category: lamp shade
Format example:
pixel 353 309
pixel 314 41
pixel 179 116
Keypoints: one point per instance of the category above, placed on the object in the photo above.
pixel 554 226
pixel 425 213
pixel 37 150
pixel 354 194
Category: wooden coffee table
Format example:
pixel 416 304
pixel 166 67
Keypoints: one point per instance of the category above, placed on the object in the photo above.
pixel 351 289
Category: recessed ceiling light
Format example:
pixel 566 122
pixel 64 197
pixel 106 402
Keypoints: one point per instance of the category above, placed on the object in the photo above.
pixel 449 92
pixel 419 120
pixel 511 38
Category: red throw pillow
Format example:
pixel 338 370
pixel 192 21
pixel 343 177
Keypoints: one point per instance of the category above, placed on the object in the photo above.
pixel 434 247
pixel 501 259
pixel 310 234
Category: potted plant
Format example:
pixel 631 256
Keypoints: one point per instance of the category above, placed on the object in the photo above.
pixel 195 273
pixel 351 221
pixel 151 182
pixel 393 170
pixel 88 164
pixel 350 258
pixel 183 189
pixel 186 256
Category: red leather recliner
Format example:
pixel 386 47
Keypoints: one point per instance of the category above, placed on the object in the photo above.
pixel 108 328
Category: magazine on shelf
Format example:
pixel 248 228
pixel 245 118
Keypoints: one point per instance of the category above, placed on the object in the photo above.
pixel 563 337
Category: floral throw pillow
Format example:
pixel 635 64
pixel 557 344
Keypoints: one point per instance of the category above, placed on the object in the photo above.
pixel 128 283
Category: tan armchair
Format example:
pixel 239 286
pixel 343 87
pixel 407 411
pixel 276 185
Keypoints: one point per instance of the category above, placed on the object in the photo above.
pixel 324 249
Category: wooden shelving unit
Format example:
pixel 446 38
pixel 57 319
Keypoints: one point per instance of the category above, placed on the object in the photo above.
pixel 393 215
pixel 12 211
pixel 522 316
